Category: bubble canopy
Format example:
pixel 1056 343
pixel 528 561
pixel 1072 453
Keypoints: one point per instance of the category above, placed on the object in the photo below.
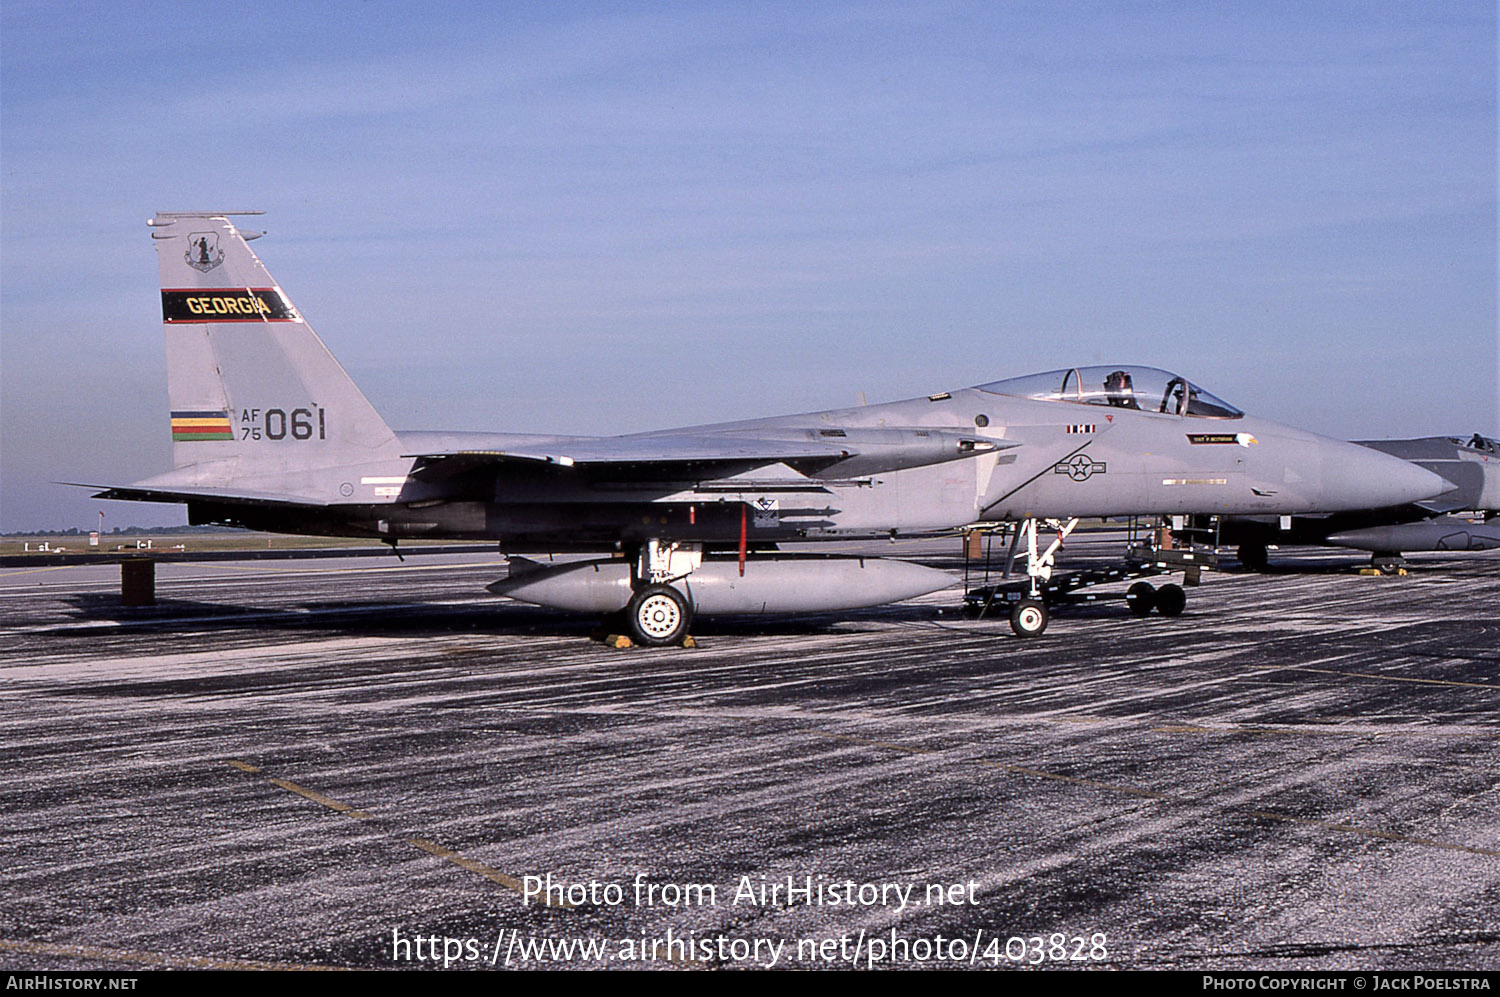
pixel 1144 389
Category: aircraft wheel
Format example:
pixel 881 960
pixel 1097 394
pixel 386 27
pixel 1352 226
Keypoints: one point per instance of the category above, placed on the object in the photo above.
pixel 1141 598
pixel 1171 600
pixel 1387 564
pixel 659 615
pixel 1253 556
pixel 1029 618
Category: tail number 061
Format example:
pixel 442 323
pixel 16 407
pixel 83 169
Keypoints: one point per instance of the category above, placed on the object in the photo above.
pixel 279 424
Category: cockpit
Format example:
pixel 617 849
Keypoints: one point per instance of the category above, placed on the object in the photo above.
pixel 1144 389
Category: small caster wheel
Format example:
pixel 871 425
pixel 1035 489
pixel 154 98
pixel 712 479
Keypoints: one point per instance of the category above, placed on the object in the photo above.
pixel 1029 618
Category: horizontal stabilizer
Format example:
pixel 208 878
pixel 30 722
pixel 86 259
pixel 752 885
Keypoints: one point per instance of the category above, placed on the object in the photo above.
pixel 192 494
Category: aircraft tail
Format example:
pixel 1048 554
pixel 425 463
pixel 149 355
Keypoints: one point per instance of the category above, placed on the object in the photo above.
pixel 247 378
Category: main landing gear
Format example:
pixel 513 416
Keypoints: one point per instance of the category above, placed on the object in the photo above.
pixel 659 613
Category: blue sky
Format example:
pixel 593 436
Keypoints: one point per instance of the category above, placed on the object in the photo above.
pixel 606 217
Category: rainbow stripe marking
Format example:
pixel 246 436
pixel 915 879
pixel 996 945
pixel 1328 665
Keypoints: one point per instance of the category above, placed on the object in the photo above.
pixel 188 427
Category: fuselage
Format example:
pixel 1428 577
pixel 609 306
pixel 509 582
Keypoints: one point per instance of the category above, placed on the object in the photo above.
pixel 1054 459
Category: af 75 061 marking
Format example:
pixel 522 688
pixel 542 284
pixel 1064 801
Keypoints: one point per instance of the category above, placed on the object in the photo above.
pixel 279 424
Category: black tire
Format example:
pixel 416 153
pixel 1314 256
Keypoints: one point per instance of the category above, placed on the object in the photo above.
pixel 1171 600
pixel 1028 618
pixel 658 615
pixel 1141 598
pixel 1253 556
pixel 1387 564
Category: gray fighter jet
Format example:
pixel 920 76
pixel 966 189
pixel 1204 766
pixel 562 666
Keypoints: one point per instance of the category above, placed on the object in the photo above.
pixel 270 433
pixel 1471 466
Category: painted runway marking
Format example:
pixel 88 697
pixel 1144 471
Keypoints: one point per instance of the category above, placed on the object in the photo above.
pixel 479 868
pixel 432 848
pixel 1169 798
pixel 159 958
pixel 31 571
pixel 319 798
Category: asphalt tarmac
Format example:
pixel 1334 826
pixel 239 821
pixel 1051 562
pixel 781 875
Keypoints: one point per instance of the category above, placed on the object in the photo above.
pixel 358 763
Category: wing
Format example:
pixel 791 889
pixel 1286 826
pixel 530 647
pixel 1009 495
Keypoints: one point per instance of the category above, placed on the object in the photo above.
pixel 635 451
pixel 722 461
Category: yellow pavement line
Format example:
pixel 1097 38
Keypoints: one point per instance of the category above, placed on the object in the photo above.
pixel 494 875
pixel 1367 675
pixel 156 958
pixel 317 797
pixel 431 848
pixel 1151 794
pixel 908 749
pixel 31 571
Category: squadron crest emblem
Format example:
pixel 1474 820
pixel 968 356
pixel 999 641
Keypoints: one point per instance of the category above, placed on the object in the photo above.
pixel 203 252
pixel 767 513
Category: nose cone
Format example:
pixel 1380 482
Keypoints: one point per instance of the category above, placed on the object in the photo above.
pixel 1356 477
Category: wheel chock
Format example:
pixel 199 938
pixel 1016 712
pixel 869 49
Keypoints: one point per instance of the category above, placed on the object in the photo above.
pixel 620 641
pixel 617 641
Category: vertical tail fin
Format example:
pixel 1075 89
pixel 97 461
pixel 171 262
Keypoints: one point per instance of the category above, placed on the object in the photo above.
pixel 247 378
